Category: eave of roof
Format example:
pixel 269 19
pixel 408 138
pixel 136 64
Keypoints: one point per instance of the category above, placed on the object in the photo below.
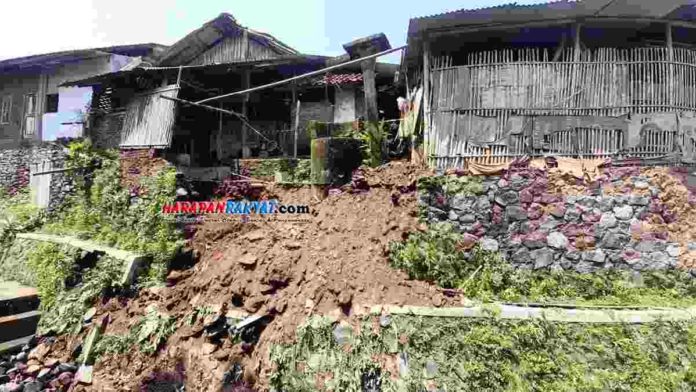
pixel 513 13
pixel 50 59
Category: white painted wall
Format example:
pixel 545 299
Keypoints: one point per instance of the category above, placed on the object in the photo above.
pixel 344 107
pixel 72 101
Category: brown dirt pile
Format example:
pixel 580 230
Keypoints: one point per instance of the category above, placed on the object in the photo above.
pixel 334 264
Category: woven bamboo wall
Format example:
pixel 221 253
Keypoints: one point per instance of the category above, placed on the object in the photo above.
pixel 149 120
pixel 502 104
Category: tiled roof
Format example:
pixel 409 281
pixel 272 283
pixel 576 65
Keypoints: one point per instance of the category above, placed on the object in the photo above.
pixel 338 79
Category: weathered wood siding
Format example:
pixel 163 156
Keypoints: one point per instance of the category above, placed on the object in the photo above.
pixel 503 104
pixel 234 49
pixel 149 119
pixel 16 86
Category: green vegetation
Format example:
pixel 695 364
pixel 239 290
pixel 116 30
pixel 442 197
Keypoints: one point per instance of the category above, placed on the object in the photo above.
pixel 197 314
pixel 492 355
pixel 148 334
pixel 373 139
pixel 291 170
pixel 436 255
pixel 51 264
pixel 13 265
pixel 104 212
pixel 71 305
pixel 18 215
pixel 451 185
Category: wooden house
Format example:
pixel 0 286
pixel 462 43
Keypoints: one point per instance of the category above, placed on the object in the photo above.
pixel 33 106
pixel 151 106
pixel 595 78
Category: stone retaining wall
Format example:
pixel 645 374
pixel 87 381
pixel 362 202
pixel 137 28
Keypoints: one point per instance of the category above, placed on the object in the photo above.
pixel 15 165
pixel 535 229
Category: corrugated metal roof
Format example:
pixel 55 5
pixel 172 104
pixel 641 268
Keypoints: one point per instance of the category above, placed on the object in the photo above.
pixel 212 33
pixel 513 5
pixel 55 58
pixel 515 13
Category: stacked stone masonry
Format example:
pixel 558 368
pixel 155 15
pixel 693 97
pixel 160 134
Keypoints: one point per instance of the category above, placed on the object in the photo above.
pixel 537 230
pixel 15 166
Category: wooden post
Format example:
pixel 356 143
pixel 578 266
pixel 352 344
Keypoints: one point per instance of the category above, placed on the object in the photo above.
pixel 576 59
pixel 245 102
pixel 368 72
pixel 218 139
pixel 297 126
pixel 293 105
pixel 670 58
pixel 426 98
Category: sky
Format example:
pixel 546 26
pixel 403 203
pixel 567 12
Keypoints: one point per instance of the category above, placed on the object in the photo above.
pixel 310 26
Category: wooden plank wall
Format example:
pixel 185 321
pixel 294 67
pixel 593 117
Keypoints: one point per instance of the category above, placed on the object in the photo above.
pixel 498 96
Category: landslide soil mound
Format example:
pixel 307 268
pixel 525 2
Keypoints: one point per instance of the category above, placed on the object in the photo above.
pixel 334 262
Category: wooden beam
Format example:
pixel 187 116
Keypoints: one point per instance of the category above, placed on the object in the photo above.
pixel 368 72
pixel 576 59
pixel 426 97
pixel 296 127
pixel 670 56
pixel 303 76
pixel 245 102
pixel 186 102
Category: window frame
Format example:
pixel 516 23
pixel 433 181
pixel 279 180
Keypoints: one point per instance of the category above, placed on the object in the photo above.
pixel 5 109
pixel 57 101
pixel 26 115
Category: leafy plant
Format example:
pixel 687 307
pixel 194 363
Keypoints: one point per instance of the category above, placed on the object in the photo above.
pixel 431 255
pixel 293 170
pixel 153 330
pixel 103 211
pixel 70 305
pixel 451 185
pixel 491 355
pixel 19 215
pixel 148 334
pixel 436 255
pixel 374 138
pixel 51 265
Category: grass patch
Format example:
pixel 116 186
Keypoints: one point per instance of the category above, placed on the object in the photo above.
pixel 435 255
pixel 491 355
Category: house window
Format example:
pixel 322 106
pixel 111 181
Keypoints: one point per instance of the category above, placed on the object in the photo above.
pixel 5 109
pixel 29 114
pixel 51 103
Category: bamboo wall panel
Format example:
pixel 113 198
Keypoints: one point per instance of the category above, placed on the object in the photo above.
pixel 494 102
pixel 232 50
pixel 149 120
